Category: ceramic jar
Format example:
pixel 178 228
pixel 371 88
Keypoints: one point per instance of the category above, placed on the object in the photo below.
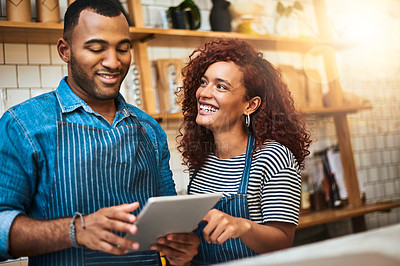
pixel 18 10
pixel 220 16
pixel 48 11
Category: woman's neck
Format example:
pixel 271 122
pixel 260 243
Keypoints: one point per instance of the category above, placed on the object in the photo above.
pixel 230 144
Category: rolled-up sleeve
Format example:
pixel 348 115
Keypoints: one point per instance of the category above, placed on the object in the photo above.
pixel 17 181
pixel 7 217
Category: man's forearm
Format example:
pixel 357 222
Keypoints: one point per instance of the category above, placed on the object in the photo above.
pixel 30 237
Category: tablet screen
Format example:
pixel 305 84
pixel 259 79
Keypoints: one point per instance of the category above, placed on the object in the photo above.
pixel 171 214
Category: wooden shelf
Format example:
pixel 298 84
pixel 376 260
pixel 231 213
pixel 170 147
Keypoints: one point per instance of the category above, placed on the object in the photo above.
pixel 48 33
pixel 332 215
pixel 323 111
pixel 30 32
pixel 190 38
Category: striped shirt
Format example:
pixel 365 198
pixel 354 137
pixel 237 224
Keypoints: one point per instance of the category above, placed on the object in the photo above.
pixel 274 188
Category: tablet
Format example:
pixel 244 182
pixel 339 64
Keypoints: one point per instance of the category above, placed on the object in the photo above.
pixel 170 214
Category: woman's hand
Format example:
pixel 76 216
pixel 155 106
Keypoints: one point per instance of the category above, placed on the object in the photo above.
pixel 221 226
pixel 260 238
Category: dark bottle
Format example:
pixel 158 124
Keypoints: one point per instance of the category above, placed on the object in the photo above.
pixel 333 198
pixel 220 16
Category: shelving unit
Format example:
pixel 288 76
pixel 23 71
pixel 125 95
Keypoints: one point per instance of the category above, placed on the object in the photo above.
pixel 175 38
pixel 142 38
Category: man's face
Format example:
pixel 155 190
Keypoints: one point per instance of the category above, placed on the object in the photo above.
pixel 100 56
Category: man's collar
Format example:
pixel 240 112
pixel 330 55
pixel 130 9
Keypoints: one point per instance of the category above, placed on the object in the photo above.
pixel 69 101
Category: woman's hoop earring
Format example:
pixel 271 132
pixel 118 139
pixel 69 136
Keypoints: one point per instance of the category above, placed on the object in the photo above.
pixel 247 120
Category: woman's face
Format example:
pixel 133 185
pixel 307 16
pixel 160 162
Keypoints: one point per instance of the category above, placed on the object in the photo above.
pixel 220 98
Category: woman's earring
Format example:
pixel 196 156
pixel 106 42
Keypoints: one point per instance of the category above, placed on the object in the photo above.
pixel 247 120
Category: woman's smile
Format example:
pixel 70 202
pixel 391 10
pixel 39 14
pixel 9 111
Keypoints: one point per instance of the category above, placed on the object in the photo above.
pixel 206 109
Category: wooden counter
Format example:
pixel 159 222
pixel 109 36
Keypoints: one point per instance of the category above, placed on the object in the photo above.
pixel 332 215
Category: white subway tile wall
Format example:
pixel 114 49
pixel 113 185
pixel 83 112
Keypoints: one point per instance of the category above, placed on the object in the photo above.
pixel 16 96
pixel 50 76
pixel 157 16
pixel 28 76
pixel 28 70
pixel 38 54
pixel 2 100
pixel 8 76
pixel 15 53
pixel 160 53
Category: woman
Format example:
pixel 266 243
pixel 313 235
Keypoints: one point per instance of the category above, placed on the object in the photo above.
pixel 242 136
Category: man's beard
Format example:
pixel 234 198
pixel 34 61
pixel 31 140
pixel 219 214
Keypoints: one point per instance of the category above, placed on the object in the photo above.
pixel 87 84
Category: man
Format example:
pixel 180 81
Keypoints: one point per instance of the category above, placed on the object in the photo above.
pixel 77 162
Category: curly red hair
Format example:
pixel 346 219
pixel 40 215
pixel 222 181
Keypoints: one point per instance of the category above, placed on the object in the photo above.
pixel 276 118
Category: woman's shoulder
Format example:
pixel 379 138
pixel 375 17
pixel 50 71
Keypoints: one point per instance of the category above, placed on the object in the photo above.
pixel 273 147
pixel 273 153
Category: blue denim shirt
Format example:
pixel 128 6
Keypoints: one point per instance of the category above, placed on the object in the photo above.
pixel 28 147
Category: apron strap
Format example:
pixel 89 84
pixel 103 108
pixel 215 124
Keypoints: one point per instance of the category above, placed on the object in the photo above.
pixel 191 179
pixel 246 172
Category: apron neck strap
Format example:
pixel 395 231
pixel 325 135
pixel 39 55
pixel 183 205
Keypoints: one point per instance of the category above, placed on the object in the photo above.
pixel 246 172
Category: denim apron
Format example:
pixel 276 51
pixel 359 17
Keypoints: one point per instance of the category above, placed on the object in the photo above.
pixel 95 169
pixel 235 205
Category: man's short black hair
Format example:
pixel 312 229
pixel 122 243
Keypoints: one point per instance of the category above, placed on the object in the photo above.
pixel 108 8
